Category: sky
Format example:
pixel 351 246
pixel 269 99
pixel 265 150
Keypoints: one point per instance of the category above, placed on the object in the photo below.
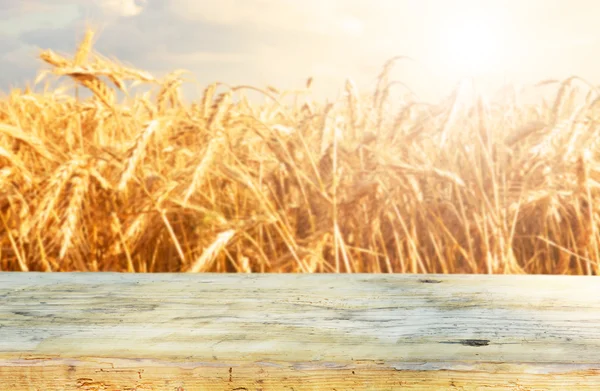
pixel 284 42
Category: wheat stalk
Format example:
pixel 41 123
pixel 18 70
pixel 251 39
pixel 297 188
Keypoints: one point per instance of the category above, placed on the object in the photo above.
pixel 205 261
pixel 136 154
pixel 73 211
pixel 214 146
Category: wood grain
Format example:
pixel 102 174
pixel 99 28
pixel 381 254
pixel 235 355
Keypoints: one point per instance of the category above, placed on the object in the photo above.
pixel 182 332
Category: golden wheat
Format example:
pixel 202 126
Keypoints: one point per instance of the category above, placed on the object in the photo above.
pixel 224 184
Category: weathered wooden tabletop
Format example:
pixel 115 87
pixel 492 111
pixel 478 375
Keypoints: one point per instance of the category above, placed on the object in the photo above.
pixel 182 332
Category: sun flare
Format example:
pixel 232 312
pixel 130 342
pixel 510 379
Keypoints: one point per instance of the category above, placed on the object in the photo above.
pixel 471 46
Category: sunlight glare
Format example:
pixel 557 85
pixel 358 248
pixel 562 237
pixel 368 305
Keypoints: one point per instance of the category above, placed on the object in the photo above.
pixel 471 46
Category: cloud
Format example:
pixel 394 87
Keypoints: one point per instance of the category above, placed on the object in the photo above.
pixel 282 42
pixel 121 8
pixel 17 68
pixel 57 39
pixel 11 8
pixel 8 43
pixel 326 17
pixel 278 42
pixel 256 42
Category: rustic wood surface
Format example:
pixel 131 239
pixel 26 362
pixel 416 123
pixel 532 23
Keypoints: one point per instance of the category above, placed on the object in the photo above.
pixel 182 332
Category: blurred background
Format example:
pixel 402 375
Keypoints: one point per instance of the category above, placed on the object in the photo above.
pixel 283 42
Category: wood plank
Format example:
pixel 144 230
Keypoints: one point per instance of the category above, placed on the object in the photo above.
pixel 181 332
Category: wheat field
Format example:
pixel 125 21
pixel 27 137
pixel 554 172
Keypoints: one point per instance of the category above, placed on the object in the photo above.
pixel 369 183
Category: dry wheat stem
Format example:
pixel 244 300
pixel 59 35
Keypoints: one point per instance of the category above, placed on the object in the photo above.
pixel 136 153
pixel 209 255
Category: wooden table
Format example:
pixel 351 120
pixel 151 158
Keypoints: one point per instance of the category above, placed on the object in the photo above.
pixel 235 332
